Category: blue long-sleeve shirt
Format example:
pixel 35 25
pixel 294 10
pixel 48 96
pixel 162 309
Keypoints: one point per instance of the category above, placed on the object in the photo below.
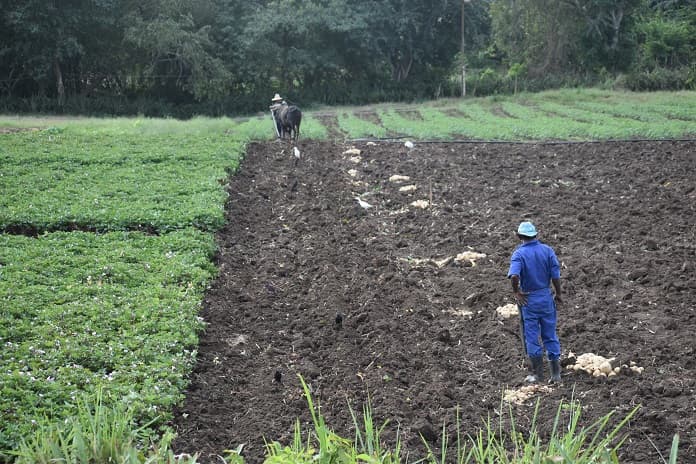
pixel 536 264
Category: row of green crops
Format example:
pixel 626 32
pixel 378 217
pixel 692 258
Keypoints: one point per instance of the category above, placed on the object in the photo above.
pixel 155 175
pixel 98 433
pixel 116 309
pixel 79 309
pixel 140 178
pixel 56 179
pixel 560 115
pixel 359 127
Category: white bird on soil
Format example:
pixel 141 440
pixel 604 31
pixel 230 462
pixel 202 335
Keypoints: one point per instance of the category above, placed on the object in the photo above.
pixel 296 152
pixel 409 144
pixel 363 204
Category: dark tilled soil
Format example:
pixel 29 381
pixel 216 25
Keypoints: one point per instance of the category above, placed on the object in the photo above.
pixel 410 114
pixel 501 113
pixel 369 116
pixel 421 340
pixel 330 121
pixel 455 113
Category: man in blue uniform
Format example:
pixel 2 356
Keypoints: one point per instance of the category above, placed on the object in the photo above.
pixel 533 268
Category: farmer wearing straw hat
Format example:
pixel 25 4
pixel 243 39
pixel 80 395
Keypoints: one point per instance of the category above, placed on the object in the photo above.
pixel 533 268
pixel 276 103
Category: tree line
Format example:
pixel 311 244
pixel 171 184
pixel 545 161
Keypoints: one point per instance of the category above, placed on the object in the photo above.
pixel 184 57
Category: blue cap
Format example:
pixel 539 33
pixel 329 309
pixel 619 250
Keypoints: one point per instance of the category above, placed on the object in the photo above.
pixel 527 229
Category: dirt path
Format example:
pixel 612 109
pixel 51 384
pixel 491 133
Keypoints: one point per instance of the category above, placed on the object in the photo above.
pixel 420 339
pixel 330 121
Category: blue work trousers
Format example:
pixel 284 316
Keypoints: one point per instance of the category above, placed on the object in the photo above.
pixel 539 316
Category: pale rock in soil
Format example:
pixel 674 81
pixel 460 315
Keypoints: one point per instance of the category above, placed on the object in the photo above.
pixel 352 151
pixel 521 395
pixel 396 178
pixel 471 256
pixel 596 365
pixel 363 204
pixel 508 310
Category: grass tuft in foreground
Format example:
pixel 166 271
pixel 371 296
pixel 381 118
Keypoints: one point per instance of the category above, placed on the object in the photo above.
pixel 569 442
pixel 97 434
pixel 101 433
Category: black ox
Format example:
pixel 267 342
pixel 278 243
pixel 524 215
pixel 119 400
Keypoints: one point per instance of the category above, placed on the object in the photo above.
pixel 288 120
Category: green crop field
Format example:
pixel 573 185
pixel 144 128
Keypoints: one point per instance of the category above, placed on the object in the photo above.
pixel 561 115
pixel 82 309
pixel 108 226
pixel 59 178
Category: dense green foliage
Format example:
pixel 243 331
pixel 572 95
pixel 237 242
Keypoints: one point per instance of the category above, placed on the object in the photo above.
pixel 119 308
pixel 80 310
pixel 215 57
pixel 60 179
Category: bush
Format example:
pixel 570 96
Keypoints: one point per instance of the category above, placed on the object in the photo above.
pixel 487 82
pixel 659 79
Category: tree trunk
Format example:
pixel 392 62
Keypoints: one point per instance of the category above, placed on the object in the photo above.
pixel 60 88
pixel 401 67
pixel 9 84
pixel 616 18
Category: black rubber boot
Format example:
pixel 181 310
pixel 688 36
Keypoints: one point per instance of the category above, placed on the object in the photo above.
pixel 555 365
pixel 537 374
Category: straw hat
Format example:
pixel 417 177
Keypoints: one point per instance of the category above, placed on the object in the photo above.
pixel 277 98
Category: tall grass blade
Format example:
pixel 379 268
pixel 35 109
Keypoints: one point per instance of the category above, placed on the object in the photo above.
pixel 675 449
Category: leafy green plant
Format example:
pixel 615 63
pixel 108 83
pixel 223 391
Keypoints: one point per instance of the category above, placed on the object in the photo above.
pixel 56 180
pixel 312 128
pixel 325 446
pixel 674 451
pixel 358 127
pixel 82 310
pixel 568 442
pixel 97 433
pixel 368 440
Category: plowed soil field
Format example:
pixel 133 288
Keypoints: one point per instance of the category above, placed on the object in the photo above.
pixel 420 334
